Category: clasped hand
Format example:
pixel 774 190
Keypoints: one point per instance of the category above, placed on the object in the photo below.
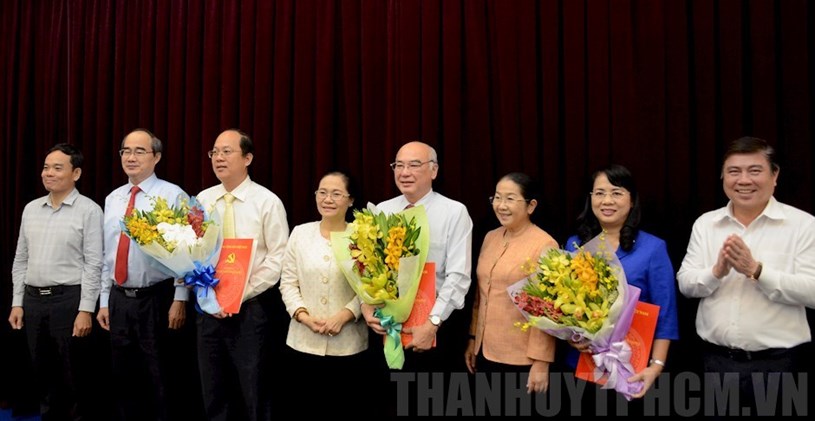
pixel 734 254
pixel 330 326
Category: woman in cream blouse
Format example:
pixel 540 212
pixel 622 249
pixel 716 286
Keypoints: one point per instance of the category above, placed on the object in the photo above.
pixel 495 344
pixel 326 333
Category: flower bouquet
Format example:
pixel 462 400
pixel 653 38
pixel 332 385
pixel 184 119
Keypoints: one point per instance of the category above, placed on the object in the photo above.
pixel 382 259
pixel 183 241
pixel 583 296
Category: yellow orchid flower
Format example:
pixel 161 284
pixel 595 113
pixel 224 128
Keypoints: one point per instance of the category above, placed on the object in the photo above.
pixel 581 286
pixel 378 243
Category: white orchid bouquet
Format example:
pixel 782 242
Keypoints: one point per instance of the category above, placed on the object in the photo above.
pixel 184 242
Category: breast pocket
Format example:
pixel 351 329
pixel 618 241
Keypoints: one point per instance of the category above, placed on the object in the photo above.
pixel 784 262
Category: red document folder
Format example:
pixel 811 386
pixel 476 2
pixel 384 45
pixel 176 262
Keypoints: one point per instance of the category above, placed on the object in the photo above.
pixel 640 337
pixel 233 270
pixel 425 299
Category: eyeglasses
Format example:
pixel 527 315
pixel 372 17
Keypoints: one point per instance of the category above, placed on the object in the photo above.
pixel 400 166
pixel 225 153
pixel 335 195
pixel 601 195
pixel 139 152
pixel 508 200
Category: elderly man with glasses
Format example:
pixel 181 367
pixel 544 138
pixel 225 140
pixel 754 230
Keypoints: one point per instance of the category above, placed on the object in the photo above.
pixel 451 230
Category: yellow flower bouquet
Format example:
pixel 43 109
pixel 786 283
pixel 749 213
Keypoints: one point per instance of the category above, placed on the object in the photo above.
pixel 382 259
pixel 568 289
pixel 183 241
pixel 582 296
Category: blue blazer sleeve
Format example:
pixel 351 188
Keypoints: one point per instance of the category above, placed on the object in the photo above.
pixel 662 290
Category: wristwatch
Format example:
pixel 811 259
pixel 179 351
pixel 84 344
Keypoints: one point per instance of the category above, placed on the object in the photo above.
pixel 757 273
pixel 436 320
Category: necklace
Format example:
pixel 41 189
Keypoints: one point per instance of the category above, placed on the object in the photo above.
pixel 613 239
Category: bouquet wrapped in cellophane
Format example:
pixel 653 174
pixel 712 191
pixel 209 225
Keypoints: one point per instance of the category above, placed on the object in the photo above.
pixel 382 259
pixel 583 296
pixel 183 241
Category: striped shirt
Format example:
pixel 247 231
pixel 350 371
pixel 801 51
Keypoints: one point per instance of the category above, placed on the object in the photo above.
pixel 61 246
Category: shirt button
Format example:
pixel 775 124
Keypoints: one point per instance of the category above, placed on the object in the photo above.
pixel 323 300
pixel 326 257
pixel 325 279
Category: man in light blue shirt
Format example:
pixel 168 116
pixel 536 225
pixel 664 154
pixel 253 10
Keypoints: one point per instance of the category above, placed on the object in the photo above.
pixel 138 303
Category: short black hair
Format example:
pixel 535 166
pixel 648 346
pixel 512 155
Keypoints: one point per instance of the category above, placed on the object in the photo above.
pixel 748 145
pixel 70 150
pixel 350 184
pixel 247 146
pixel 529 187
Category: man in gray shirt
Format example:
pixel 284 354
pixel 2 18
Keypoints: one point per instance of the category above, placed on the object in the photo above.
pixel 56 274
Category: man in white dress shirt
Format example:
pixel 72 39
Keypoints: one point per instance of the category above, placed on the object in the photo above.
pixel 451 237
pixel 235 345
pixel 752 263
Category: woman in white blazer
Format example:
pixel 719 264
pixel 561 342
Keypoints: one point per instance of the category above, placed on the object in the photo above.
pixel 326 334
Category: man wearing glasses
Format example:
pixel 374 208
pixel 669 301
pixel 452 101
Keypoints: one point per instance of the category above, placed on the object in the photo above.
pixel 451 230
pixel 138 303
pixel 234 346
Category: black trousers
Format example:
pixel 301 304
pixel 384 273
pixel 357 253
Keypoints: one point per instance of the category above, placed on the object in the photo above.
pixel 440 362
pixel 503 377
pixel 57 356
pixel 758 377
pixel 138 333
pixel 231 357
pixel 326 385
